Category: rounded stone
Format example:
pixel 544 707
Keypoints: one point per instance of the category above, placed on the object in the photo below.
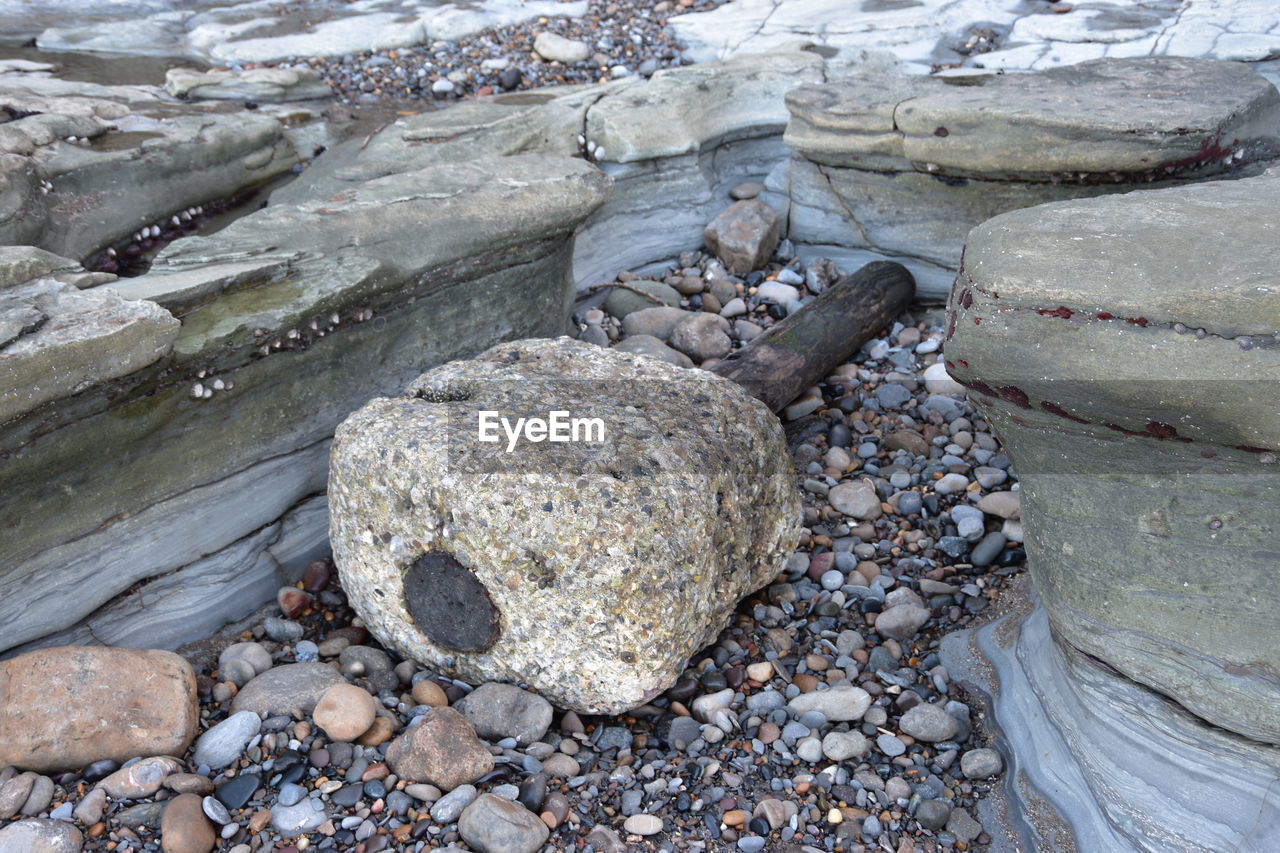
pixel 222 744
pixel 642 824
pixel 345 712
pixel 929 723
pixel 981 763
pixel 40 835
pixel 184 827
pixel 492 824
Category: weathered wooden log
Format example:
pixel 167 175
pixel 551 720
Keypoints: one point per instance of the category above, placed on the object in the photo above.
pixel 797 352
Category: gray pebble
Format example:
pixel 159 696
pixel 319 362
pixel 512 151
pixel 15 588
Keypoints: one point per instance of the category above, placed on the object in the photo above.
pixel 890 745
pixel 450 807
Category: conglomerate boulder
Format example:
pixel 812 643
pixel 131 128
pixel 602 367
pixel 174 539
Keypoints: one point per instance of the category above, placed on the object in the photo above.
pixel 589 569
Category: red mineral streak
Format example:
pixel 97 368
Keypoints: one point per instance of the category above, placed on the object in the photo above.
pixel 1055 409
pixel 1015 395
pixel 1061 311
pixel 977 321
pixel 1137 321
pixel 966 298
pixel 1103 315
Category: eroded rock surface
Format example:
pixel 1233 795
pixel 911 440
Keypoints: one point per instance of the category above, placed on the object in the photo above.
pixel 527 580
pixel 907 165
pixel 1125 350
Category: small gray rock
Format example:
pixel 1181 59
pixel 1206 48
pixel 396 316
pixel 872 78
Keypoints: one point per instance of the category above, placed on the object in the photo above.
pixel 890 745
pixel 302 817
pixel 494 825
pixel 901 621
pixel 221 745
pixel 933 814
pixel 449 808
pixel 647 345
pixel 504 710
pixel 928 723
pixel 701 337
pixel 962 825
pixel 981 763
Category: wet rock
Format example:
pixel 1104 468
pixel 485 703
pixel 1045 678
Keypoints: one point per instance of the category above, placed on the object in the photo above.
pixel 492 824
pixel 566 567
pixel 63 708
pixel 743 235
pixel 443 751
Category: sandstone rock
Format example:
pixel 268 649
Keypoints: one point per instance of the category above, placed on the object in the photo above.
pixel 71 339
pixel 345 712
pixel 262 85
pixel 500 711
pixel 561 581
pixel 65 707
pixel 877 143
pixel 442 750
pixel 649 346
pixel 743 235
pixel 557 48
pixel 40 835
pixel 1097 434
pixel 21 264
pixel 492 824
pixel 184 828
pixel 283 689
pixel 701 337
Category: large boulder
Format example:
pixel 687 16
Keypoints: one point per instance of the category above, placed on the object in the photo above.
pixel 906 165
pixel 1125 349
pixel 63 708
pixel 589 570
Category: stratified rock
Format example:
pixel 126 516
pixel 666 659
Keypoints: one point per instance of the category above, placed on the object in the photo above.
pixel 743 235
pixel 283 689
pixel 907 164
pixel 69 339
pixel 1130 374
pixel 263 85
pixel 40 835
pixel 65 707
pixel 527 580
pixel 442 750
pixel 492 824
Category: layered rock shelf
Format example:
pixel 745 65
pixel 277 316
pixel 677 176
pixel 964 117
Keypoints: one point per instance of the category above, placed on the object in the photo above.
pixel 1125 351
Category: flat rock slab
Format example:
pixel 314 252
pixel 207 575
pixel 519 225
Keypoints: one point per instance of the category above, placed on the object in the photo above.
pixel 262 85
pixel 1017 36
pixel 65 707
pixel 1125 349
pixel 906 165
pixel 258 30
pixel 588 570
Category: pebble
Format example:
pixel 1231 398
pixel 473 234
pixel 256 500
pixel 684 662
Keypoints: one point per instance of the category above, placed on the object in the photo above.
pixel 841 703
pixel 184 827
pixel 890 745
pixel 237 790
pixel 642 824
pixel 448 808
pixel 443 751
pixel 140 779
pixel 492 824
pixel 302 817
pixel 221 745
pixel 37 835
pixel 928 723
pixel 842 746
pixel 504 710
pixel 856 499
pixel 345 712
pixel 284 689
pixel 981 764
pixel 933 814
pixel 557 48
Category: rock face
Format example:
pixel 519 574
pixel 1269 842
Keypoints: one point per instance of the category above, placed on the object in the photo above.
pixel 203 428
pixel 906 165
pixel 507 565
pixel 1124 349
pixel 63 708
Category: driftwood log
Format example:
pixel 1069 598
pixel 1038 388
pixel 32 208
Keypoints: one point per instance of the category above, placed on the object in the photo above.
pixel 800 350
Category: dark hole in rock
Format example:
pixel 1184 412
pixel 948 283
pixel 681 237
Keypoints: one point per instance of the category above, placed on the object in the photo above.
pixel 449 604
